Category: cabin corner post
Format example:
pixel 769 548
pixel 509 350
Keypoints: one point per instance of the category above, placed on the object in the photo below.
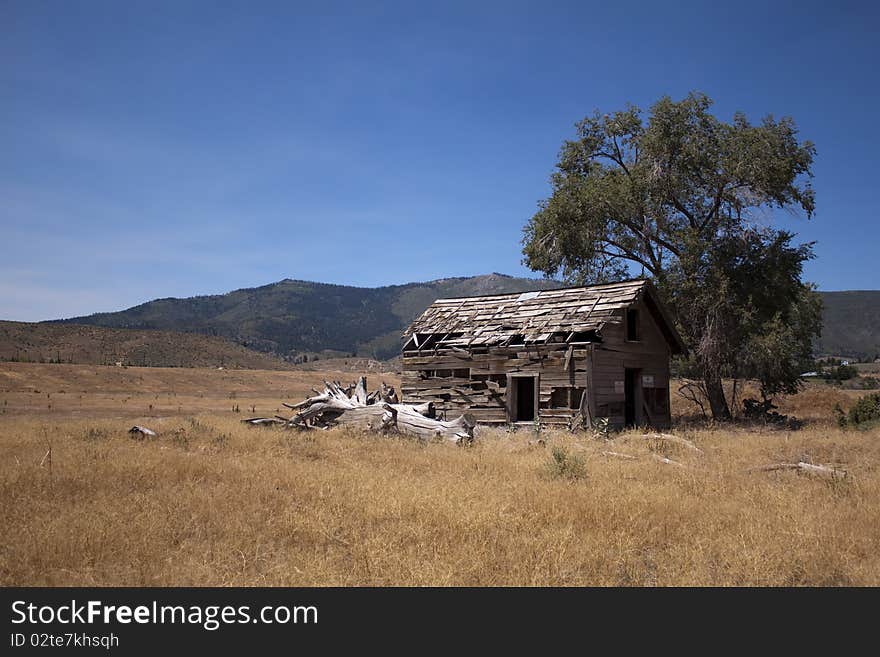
pixel 536 397
pixel 591 392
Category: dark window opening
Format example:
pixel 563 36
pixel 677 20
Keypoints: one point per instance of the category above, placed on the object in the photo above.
pixel 559 397
pixel 632 325
pixel 568 397
pixel 656 400
pixel 443 374
pixel 525 398
pixel 464 373
pixel 500 379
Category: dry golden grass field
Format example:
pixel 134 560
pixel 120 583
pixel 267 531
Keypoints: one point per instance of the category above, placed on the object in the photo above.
pixel 213 502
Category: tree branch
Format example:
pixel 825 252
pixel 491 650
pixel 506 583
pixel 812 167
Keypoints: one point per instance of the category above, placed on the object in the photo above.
pixel 678 206
pixel 627 254
pixel 716 205
pixel 619 159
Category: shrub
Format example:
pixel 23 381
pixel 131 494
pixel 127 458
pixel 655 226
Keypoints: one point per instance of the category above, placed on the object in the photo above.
pixel 841 373
pixel 866 409
pixel 563 465
pixel 764 411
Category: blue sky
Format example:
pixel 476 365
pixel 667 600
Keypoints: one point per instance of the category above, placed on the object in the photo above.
pixel 170 149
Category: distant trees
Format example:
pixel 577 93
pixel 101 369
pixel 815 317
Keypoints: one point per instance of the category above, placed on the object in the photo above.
pixel 680 196
pixel 841 373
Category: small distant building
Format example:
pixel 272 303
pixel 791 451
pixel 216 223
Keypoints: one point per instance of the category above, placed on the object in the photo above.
pixel 601 350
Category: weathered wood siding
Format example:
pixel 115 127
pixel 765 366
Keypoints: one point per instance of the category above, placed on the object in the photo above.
pixel 650 354
pixel 477 384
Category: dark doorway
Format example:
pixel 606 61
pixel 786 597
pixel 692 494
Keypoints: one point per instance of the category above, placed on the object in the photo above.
pixel 631 396
pixel 525 398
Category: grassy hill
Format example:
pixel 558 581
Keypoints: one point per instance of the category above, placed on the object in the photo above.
pixel 73 343
pixel 852 324
pixel 291 318
pixel 296 319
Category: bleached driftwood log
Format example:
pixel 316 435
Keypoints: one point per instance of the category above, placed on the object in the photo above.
pixel 620 455
pixel 801 466
pixel 666 460
pixel 377 411
pixel 265 421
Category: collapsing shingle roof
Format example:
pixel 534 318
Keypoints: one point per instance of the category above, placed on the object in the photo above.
pixel 534 317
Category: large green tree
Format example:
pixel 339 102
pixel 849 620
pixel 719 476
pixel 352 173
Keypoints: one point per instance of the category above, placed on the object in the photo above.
pixel 684 199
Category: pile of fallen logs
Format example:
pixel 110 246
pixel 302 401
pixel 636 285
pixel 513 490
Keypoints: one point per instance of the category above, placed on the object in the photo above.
pixel 378 411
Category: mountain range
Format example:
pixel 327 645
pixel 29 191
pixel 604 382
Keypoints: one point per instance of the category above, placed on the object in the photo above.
pixel 297 319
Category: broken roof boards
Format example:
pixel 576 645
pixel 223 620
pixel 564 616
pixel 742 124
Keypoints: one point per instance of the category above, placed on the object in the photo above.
pixel 534 317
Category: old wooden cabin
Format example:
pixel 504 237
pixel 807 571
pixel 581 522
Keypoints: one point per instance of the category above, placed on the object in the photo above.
pixel 582 353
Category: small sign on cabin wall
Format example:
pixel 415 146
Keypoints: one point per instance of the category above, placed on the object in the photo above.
pixel 618 388
pixel 647 380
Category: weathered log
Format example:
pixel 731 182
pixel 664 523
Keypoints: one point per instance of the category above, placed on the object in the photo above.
pixel 388 394
pixel 264 421
pixel 427 409
pixel 142 432
pixel 802 466
pixel 355 407
pixel 666 460
pixel 618 455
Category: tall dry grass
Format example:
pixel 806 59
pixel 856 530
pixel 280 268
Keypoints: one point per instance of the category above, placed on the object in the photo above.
pixel 212 502
pixel 63 391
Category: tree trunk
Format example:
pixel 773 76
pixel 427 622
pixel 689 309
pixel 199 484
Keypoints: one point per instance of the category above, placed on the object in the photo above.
pixel 717 400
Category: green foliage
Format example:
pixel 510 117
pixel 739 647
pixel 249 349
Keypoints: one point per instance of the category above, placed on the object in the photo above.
pixel 840 373
pixel 564 465
pixel 865 411
pixel 678 196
